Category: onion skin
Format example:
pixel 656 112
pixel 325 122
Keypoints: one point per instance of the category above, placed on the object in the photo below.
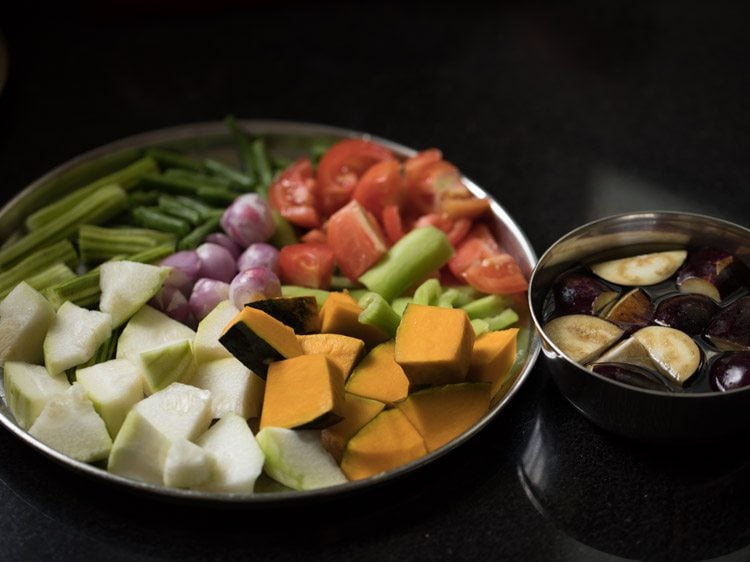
pixel 248 220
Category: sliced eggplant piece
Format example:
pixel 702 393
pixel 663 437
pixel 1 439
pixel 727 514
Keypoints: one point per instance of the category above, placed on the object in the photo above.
pixel 730 328
pixel 632 311
pixel 687 313
pixel 576 293
pixel 635 376
pixel 582 337
pixel 674 352
pixel 713 272
pixel 730 371
pixel 641 270
pixel 629 351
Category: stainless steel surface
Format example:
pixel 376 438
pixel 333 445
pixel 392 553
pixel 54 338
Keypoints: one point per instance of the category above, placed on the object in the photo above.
pixel 638 413
pixel 211 139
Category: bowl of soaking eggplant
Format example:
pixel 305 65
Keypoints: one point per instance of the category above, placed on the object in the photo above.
pixel 645 324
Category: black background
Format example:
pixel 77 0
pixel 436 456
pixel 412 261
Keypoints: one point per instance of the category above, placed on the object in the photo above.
pixel 565 112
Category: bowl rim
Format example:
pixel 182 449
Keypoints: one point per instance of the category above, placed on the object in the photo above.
pixel 623 217
pixel 207 129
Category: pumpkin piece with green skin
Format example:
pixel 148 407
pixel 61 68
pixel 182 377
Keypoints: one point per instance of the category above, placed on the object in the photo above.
pixel 258 339
pixel 299 313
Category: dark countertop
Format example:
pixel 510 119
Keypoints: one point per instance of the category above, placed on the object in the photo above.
pixel 564 114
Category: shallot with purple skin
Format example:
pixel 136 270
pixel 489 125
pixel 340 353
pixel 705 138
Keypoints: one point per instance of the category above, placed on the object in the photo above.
pixel 254 284
pixel 223 240
pixel 186 266
pixel 216 262
pixel 207 293
pixel 248 220
pixel 259 254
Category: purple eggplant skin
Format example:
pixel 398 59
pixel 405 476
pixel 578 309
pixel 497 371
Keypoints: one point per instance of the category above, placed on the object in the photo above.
pixel 576 293
pixel 730 370
pixel 635 376
pixel 713 272
pixel 729 330
pixel 689 313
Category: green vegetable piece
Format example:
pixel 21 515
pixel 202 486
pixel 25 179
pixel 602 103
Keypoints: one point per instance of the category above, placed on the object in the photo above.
pixel 414 257
pixel 235 177
pixel 126 178
pixel 261 164
pixel 428 293
pixel 377 312
pixel 216 195
pixel 37 262
pixel 503 320
pixel 98 207
pixel 172 206
pixel 173 159
pixel 197 178
pixel 448 298
pixel 152 217
pixel 98 243
pixel 480 326
pixel 295 291
pixel 139 198
pixel 243 146
pixel 199 233
pixel 283 234
pixel 491 305
pixel 339 283
pixel 54 274
pixel 399 305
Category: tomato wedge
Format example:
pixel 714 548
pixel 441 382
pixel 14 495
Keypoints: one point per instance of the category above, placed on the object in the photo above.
pixel 413 166
pixel 392 224
pixel 381 185
pixel 497 274
pixel 433 182
pixel 341 167
pixel 481 262
pixel 309 264
pixel 292 194
pixel 455 230
pixel 356 240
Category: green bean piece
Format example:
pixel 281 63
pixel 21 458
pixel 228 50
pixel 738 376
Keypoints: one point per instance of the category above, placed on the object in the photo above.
pixel 172 159
pixel 171 206
pixel 152 217
pixel 283 234
pixel 216 195
pixel 243 147
pixel 235 177
pixel 377 312
pixel 198 178
pixel 199 233
pixel 54 274
pixel 428 293
pixel 487 306
pixel 139 198
pixel 261 164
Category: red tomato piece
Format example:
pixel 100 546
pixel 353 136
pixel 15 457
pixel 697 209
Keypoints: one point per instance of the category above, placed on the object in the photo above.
pixel 464 207
pixel 497 274
pixel 433 182
pixel 309 264
pixel 381 185
pixel 314 235
pixel 356 239
pixel 292 194
pixel 455 230
pixel 413 166
pixel 477 245
pixel 341 167
pixel 394 228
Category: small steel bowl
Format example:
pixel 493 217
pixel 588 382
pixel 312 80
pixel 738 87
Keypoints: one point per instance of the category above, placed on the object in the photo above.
pixel 623 409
